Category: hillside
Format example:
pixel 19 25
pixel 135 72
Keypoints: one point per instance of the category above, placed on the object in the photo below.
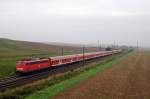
pixel 10 47
pixel 11 51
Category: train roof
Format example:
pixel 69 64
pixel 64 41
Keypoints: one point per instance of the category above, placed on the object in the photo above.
pixel 61 57
pixel 33 60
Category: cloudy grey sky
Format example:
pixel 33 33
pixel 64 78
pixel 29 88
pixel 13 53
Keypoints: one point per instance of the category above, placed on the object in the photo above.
pixel 76 21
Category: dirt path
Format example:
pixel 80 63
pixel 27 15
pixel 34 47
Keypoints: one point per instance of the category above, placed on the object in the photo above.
pixel 129 79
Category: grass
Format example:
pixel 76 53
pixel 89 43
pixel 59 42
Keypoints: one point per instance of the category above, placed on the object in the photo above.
pixel 11 51
pixel 54 90
pixel 8 58
pixel 29 89
pixel 8 64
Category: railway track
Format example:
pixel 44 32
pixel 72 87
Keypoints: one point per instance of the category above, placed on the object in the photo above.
pixel 15 81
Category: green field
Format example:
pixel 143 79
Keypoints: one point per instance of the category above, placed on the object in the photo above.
pixel 11 51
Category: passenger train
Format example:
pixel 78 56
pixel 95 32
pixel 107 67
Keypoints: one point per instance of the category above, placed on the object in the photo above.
pixel 30 65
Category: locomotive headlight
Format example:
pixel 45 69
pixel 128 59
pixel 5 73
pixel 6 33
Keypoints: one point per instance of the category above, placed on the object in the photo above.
pixel 19 68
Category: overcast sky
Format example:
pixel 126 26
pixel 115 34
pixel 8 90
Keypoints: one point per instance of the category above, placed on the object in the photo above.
pixel 76 21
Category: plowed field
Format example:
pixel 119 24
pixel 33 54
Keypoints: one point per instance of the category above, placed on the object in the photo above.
pixel 129 79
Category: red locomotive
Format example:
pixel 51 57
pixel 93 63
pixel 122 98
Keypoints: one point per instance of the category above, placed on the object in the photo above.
pixel 26 66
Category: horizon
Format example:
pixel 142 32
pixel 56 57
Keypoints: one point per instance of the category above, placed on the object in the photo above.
pixel 77 22
pixel 73 44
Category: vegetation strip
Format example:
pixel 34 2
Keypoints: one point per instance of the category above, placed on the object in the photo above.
pixel 27 90
pixel 52 91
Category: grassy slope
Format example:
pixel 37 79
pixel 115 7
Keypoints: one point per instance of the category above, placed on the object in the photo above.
pixel 12 51
pixel 50 92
